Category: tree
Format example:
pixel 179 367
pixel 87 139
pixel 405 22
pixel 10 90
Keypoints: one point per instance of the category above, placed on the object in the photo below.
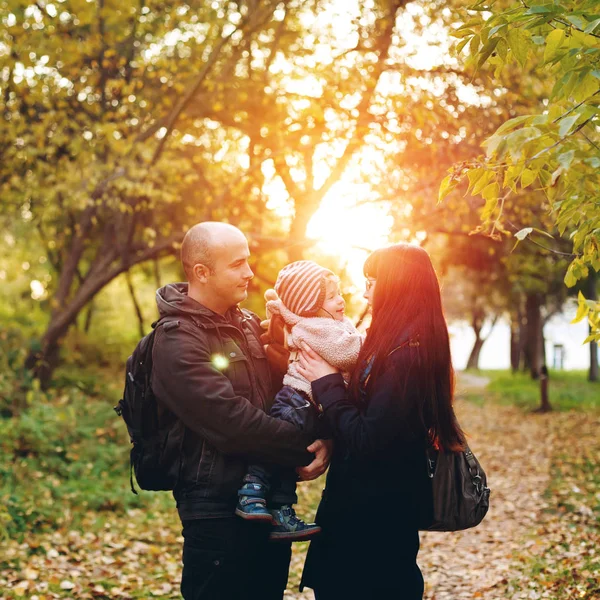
pixel 554 149
pixel 128 124
pixel 475 286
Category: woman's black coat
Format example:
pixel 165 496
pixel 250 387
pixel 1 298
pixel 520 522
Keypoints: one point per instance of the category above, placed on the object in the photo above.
pixel 377 488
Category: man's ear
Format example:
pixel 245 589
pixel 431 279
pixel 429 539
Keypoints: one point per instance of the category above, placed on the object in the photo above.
pixel 201 272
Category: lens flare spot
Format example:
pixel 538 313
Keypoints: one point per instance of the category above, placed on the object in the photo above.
pixel 219 361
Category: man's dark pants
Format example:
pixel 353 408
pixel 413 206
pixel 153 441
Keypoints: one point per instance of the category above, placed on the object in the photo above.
pixel 232 559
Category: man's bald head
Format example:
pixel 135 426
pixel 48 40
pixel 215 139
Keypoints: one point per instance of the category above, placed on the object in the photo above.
pixel 202 243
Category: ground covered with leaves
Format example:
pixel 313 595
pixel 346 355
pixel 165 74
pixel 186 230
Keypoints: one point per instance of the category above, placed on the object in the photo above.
pixel 71 528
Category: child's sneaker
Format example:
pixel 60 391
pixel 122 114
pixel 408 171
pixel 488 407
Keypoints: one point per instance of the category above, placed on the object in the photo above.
pixel 289 527
pixel 252 504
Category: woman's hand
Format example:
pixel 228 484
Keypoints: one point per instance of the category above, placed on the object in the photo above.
pixel 311 366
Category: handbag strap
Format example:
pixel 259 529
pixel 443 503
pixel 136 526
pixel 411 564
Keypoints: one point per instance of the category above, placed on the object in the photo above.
pixel 471 460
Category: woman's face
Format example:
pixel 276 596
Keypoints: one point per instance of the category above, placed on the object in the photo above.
pixel 369 290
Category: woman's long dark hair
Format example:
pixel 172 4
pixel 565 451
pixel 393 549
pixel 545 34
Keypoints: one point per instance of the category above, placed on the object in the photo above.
pixel 407 301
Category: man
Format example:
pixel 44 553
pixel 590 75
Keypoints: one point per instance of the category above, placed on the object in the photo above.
pixel 211 373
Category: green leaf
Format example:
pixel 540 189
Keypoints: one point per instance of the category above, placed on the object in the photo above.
pixel 582 309
pixel 491 192
pixel 528 177
pixel 461 45
pixel 521 235
pixel 474 44
pixel 502 49
pixel 518 42
pixel 487 50
pixel 587 86
pixel 497 28
pixel 578 21
pixel 566 124
pixel 570 279
pixel 482 182
pixel 512 124
pixel 553 42
pixel 566 158
pixel 593 161
pixel 447 185
pixel 474 175
pixel 542 232
pixel 544 9
pixel 592 26
pixel 510 175
pixel 462 32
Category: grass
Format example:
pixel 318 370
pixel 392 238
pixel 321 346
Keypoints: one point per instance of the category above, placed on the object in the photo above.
pixel 568 390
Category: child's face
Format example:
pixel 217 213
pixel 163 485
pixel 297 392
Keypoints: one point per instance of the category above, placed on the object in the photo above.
pixel 334 303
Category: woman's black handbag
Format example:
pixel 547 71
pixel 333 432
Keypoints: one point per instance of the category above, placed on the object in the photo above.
pixel 461 497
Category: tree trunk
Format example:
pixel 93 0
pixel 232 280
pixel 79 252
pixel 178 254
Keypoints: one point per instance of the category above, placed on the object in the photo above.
pixel 136 304
pixel 88 317
pixel 473 362
pixel 524 360
pixel 44 359
pixel 542 345
pixel 534 323
pixel 592 294
pixel 515 342
pixel 305 209
pixel 157 279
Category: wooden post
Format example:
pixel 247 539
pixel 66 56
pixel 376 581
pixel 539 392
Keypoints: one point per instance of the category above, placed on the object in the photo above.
pixel 545 405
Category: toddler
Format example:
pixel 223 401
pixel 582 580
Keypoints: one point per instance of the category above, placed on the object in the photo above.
pixel 310 303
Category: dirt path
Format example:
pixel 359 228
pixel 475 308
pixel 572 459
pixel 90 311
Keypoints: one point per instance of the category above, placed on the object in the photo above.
pixel 515 452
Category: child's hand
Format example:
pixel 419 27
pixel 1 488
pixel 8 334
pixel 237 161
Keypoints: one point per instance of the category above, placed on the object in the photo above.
pixel 270 294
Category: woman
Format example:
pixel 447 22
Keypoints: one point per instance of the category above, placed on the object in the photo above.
pixel 399 400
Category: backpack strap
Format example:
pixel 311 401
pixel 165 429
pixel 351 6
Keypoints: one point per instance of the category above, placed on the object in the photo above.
pixel 412 342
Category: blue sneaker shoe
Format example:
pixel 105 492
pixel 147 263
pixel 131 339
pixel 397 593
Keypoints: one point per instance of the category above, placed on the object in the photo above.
pixel 288 527
pixel 252 504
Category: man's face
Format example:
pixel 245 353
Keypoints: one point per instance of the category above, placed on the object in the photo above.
pixel 228 281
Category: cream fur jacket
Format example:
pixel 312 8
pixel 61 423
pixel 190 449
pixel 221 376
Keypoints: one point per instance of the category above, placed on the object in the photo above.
pixel 338 342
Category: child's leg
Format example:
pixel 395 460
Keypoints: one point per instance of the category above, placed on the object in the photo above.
pixel 283 491
pixel 252 497
pixel 288 526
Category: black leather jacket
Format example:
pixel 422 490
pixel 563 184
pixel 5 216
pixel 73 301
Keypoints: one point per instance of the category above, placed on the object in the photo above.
pixel 211 372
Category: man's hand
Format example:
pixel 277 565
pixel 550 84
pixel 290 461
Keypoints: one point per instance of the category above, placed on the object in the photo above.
pixel 275 350
pixel 322 450
pixel 273 339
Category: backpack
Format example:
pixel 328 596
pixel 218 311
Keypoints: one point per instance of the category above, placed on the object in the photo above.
pixel 155 432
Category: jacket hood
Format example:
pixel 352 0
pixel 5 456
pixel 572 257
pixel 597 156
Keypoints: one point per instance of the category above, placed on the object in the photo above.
pixel 173 300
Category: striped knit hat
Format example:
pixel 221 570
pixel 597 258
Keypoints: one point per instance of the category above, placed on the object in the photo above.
pixel 301 287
